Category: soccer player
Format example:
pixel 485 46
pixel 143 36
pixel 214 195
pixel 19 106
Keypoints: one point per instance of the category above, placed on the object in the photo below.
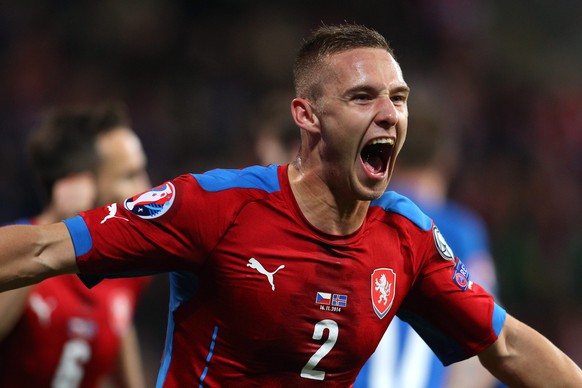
pixel 402 359
pixel 289 275
pixel 59 333
pixel 425 167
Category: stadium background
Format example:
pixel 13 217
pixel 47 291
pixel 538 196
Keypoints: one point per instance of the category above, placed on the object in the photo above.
pixel 505 75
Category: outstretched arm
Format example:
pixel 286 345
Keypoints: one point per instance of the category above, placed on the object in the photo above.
pixel 130 361
pixel 29 254
pixel 522 357
pixel 12 305
pixel 469 370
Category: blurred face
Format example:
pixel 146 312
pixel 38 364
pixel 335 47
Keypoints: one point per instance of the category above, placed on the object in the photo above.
pixel 122 172
pixel 363 118
pixel 73 194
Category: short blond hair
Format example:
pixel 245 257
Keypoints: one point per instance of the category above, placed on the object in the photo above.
pixel 325 41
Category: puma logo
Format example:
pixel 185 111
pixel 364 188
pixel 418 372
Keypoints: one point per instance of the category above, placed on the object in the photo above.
pixel 112 213
pixel 254 263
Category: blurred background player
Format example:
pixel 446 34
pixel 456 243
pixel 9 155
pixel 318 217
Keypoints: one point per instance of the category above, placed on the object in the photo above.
pixel 59 333
pixel 276 139
pixel 424 172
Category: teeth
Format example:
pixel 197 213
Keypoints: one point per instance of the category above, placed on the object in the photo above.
pixel 383 141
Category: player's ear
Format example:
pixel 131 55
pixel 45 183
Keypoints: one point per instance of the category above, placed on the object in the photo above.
pixel 304 115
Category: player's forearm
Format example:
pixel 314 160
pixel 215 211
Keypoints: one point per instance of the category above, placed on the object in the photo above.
pixel 11 306
pixel 525 358
pixel 29 254
pixel 130 361
pixel 470 370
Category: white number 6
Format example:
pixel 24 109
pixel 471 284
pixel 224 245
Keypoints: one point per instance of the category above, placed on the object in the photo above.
pixel 309 371
pixel 70 372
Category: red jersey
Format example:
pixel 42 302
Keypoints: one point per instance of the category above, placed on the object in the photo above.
pixel 68 335
pixel 259 297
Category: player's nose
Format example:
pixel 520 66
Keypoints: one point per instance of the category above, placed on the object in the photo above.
pixel 387 114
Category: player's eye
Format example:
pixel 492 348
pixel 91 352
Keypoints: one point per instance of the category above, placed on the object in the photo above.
pixel 362 97
pixel 399 99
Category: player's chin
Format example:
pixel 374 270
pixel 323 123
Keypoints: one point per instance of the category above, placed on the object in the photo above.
pixel 373 194
pixel 369 190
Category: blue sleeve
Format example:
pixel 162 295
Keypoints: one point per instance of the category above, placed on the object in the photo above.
pixel 83 243
pixel 80 235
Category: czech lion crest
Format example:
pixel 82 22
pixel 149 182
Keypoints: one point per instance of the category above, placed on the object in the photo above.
pixel 383 287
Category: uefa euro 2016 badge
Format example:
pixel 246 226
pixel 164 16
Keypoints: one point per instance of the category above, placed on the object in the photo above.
pixel 152 203
pixel 441 245
pixel 383 288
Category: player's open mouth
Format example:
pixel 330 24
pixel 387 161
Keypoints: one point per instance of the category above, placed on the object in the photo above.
pixel 376 155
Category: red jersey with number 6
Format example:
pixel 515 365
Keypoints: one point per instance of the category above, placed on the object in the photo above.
pixel 68 335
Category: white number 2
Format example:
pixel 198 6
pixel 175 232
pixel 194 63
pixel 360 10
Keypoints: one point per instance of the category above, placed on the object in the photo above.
pixel 70 371
pixel 309 371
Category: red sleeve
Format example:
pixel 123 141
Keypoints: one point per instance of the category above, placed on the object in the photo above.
pixel 171 227
pixel 456 317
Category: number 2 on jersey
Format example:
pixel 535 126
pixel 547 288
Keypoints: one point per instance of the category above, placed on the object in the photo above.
pixel 309 371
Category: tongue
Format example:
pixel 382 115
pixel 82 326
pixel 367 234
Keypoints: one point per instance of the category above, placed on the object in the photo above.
pixel 374 163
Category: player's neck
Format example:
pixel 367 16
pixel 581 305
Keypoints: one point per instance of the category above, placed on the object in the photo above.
pixel 319 206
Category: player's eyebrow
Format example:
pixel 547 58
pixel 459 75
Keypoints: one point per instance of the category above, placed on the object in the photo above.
pixel 401 89
pixel 361 88
pixel 365 88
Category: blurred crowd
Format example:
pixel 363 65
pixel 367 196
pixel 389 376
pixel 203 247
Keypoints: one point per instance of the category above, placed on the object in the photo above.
pixel 197 76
